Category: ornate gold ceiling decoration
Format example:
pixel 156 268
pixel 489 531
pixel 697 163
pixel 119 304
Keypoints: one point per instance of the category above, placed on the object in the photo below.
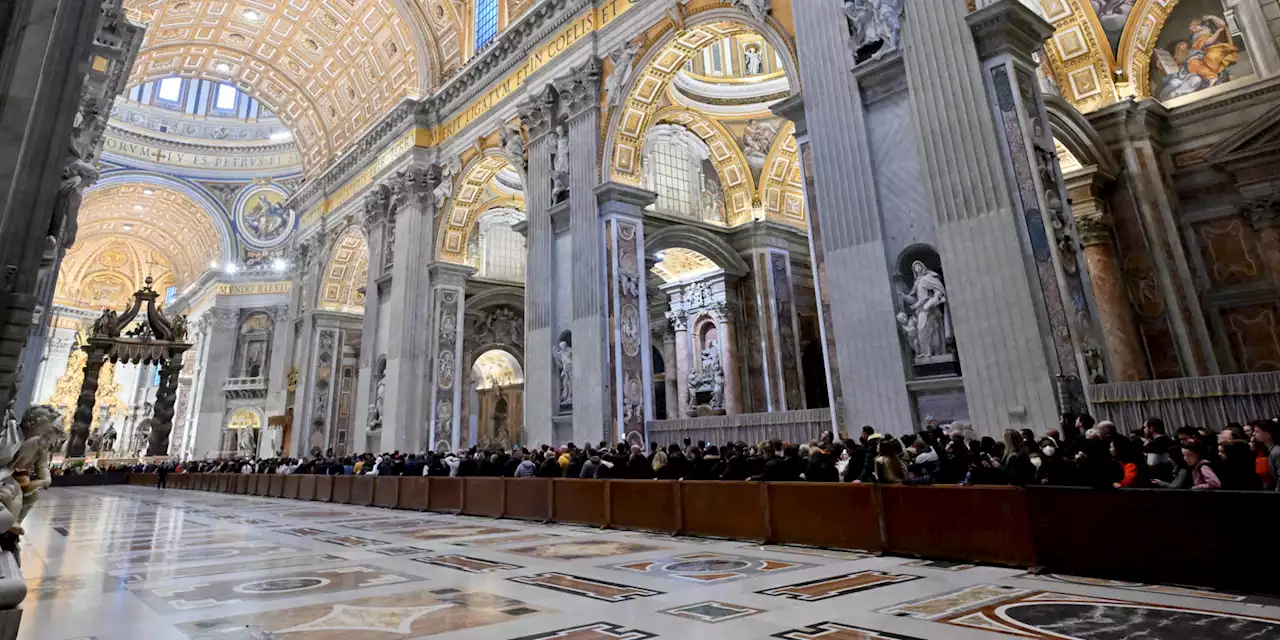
pixel 477 192
pixel 346 273
pixel 680 264
pixel 727 157
pixel 1080 54
pixel 782 181
pixel 327 69
pixel 102 271
pixel 162 219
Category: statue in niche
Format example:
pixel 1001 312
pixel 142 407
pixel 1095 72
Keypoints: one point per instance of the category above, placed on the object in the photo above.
pixel 759 9
pixel 711 356
pixel 375 408
pixel 109 439
pixel 563 354
pixel 560 165
pixel 755 60
pixel 624 60
pixel 875 27
pixel 706 385
pixel 245 444
pixel 925 325
pixel 24 460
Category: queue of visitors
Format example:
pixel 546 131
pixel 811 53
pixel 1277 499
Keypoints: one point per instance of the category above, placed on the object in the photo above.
pixel 1078 453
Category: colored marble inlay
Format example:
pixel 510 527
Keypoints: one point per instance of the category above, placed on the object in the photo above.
pixel 398 551
pixel 837 631
pixel 939 564
pixel 709 568
pixel 583 549
pixel 523 538
pixel 1045 615
pixel 299 583
pixel 453 532
pixel 594 631
pixel 467 564
pixel 350 541
pixel 401 615
pixel 594 589
pixel 712 612
pixel 825 588
pixel 809 551
pixel 172 573
pixel 249 549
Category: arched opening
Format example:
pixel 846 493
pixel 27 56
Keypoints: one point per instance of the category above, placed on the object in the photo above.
pixel 345 274
pixel 497 401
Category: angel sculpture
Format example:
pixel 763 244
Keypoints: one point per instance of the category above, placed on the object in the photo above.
pixel 624 60
pixel 24 468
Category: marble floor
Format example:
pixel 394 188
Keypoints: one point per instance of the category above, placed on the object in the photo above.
pixel 122 563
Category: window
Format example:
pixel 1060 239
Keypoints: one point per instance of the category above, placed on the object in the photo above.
pixel 670 171
pixel 486 22
pixel 224 98
pixel 169 90
pixel 503 253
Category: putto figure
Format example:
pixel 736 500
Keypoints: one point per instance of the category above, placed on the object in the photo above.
pixel 873 22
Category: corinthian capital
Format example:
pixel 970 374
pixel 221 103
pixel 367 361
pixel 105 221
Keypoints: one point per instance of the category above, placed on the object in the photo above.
pixel 377 204
pixel 1094 229
pixel 580 90
pixel 538 114
pixel 412 188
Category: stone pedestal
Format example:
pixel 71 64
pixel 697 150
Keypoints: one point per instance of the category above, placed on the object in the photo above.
pixel 448 304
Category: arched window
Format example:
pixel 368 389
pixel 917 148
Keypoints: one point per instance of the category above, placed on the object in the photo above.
pixel 673 167
pixel 498 250
pixel 486 22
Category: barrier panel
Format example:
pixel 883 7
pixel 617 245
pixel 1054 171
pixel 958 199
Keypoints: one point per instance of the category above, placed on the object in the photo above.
pixel 307 487
pixel 445 495
pixel 528 498
pixel 821 514
pixel 242 483
pixel 386 491
pixel 362 490
pixel 290 489
pixel 342 489
pixel 580 502
pixel 225 483
pixel 483 497
pixel 415 493
pixel 275 485
pixel 1165 537
pixel 725 509
pixel 259 484
pixel 324 488
pixel 982 524
pixel 647 505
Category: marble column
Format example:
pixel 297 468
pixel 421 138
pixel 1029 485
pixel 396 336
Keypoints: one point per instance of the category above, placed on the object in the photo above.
pixel 405 423
pixel 593 386
pixel 1116 319
pixel 304 258
pixel 671 371
pixel 278 367
pixel 845 222
pixel 726 324
pixel 322 384
pixel 219 356
pixel 448 304
pixel 622 209
pixel 541 398
pixel 684 361
pixel 377 208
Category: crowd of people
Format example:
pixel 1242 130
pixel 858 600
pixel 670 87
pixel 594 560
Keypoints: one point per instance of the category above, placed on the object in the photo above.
pixel 1078 453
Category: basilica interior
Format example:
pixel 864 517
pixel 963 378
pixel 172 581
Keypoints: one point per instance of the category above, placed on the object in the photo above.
pixel 434 225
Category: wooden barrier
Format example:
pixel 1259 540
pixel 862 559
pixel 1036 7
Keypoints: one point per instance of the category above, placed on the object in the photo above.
pixel 844 516
pixel 445 495
pixel 242 483
pixel 260 484
pixel 415 493
pixel 484 497
pixel 645 505
pixel 275 486
pixel 342 489
pixel 307 487
pixel 290 490
pixel 386 491
pixel 226 484
pixel 362 490
pixel 583 502
pixel 324 488
pixel 725 509
pixel 983 524
pixel 529 499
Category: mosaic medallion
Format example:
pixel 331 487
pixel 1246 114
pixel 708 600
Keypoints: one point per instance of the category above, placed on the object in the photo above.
pixel 583 549
pixel 524 538
pixel 401 615
pixel 825 588
pixel 310 582
pixel 467 564
pixel 594 631
pixel 709 568
pixel 587 587
pixel 1044 615
pixel 837 631
pixel 712 612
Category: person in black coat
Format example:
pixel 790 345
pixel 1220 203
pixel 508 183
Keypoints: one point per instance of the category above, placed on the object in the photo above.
pixel 821 468
pixel 550 468
pixel 677 467
pixel 638 466
pixel 739 466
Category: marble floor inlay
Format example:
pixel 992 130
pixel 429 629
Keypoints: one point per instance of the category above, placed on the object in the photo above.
pixel 139 563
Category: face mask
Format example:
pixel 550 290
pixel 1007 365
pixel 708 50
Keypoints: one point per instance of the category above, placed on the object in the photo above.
pixel 1048 451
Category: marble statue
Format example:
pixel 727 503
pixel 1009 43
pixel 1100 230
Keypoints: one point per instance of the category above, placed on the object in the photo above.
pixel 875 22
pixel 375 408
pixel 105 325
pixel 711 357
pixel 755 61
pixel 513 147
pixel 624 60
pixel 925 325
pixel 180 328
pixel 444 190
pixel 109 438
pixel 560 165
pixel 245 445
pixel 759 9
pixel 563 354
pixel 24 469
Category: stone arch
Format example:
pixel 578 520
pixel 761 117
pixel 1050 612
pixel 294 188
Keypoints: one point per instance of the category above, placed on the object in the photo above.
pixel 699 240
pixel 1146 22
pixel 726 156
pixel 1075 132
pixel 781 191
pixel 470 200
pixel 228 246
pixel 346 269
pixel 624 140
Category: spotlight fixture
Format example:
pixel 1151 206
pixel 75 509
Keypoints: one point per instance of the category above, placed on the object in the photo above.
pixel 279 264
pixel 127 227
pixel 213 264
pixel 148 192
pixel 222 67
pixel 253 15
pixel 230 268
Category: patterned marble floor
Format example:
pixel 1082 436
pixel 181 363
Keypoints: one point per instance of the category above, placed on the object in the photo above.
pixel 117 563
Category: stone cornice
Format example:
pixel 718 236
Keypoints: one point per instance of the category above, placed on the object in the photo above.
pixel 117 131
